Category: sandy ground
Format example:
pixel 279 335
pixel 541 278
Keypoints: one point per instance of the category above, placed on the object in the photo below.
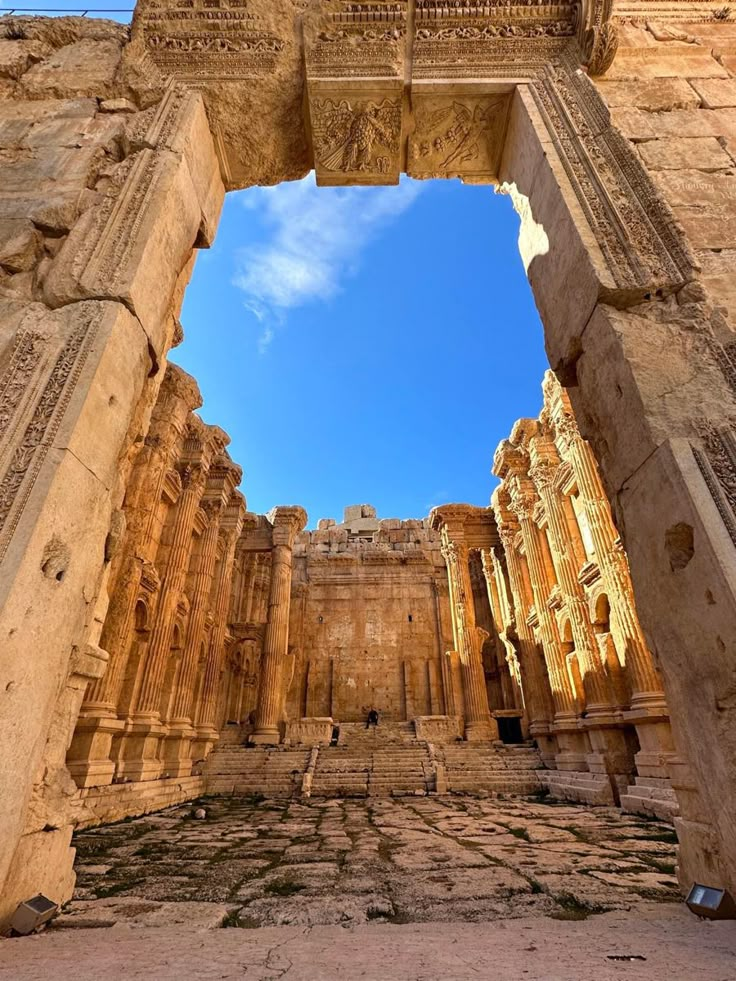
pixel 415 889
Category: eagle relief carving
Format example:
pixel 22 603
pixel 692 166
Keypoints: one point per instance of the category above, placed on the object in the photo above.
pixel 356 137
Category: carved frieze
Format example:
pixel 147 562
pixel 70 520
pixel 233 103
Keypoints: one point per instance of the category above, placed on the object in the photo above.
pixel 210 38
pixel 356 40
pixel 478 39
pixel 31 418
pixel 716 459
pixel 631 222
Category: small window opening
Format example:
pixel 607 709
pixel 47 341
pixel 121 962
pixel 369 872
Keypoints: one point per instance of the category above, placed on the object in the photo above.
pixel 410 618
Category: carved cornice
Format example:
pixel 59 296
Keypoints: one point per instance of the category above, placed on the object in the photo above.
pixel 451 516
pixel 509 460
pixel 180 385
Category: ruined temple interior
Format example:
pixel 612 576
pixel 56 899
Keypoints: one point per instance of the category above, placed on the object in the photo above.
pixel 572 640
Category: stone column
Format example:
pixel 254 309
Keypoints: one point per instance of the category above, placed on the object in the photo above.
pixel 535 684
pixel 139 753
pixel 178 742
pixel 479 724
pixel 287 523
pixel 612 753
pixel 207 734
pixel 501 615
pixel 89 759
pixel 571 742
pixel 644 678
pixel 597 693
pixel 648 710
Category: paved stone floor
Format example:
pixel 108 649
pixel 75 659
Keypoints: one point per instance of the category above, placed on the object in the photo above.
pixel 417 888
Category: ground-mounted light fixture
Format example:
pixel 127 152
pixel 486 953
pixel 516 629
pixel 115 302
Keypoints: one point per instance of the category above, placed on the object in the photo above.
pixel 32 914
pixel 712 903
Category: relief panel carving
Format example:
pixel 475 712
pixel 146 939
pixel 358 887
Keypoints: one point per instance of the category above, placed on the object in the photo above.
pixel 458 136
pixel 356 140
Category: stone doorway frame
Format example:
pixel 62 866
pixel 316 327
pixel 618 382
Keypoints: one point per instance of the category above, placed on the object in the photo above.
pixel 617 289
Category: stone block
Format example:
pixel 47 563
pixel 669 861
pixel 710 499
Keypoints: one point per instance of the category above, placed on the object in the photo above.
pixel 679 61
pixel 704 204
pixel 669 491
pixel 690 188
pixel 42 864
pixel 134 248
pixel 86 68
pixel 21 246
pixel 44 169
pixel 652 95
pixel 704 153
pixel 564 262
pixel 17 56
pixel 639 373
pixel 18 116
pixel 192 138
pixel 719 277
pixel 117 105
pixel 715 93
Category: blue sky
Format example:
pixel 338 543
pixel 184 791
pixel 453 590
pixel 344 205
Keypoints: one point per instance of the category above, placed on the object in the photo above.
pixel 364 345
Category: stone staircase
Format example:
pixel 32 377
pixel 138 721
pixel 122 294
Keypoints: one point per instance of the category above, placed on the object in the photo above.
pixel 653 797
pixel 240 770
pixel 480 768
pixel 377 762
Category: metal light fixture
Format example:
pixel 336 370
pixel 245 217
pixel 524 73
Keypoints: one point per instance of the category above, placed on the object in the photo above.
pixel 32 914
pixel 714 904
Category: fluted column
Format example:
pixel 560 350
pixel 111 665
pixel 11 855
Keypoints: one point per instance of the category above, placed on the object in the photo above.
pixel 597 691
pixel 201 588
pixel 287 523
pixel 215 653
pixel 501 614
pixel 449 521
pixel 522 505
pixel 172 587
pixel 646 683
pixel 537 694
pixel 178 741
pixel 648 710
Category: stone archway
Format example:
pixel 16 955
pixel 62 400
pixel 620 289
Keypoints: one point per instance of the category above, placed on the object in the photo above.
pixel 147 135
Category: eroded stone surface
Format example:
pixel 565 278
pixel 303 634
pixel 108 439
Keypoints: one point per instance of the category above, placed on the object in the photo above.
pixel 348 862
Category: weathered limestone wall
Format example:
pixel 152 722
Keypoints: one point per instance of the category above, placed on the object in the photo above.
pixel 108 182
pixel 369 620
pixel 671 93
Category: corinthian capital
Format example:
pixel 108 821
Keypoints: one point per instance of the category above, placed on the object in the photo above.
pixel 287 523
pixel 543 473
pixel 192 477
pixel 523 503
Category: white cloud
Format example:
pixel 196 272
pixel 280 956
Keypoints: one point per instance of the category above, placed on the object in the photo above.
pixel 314 239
